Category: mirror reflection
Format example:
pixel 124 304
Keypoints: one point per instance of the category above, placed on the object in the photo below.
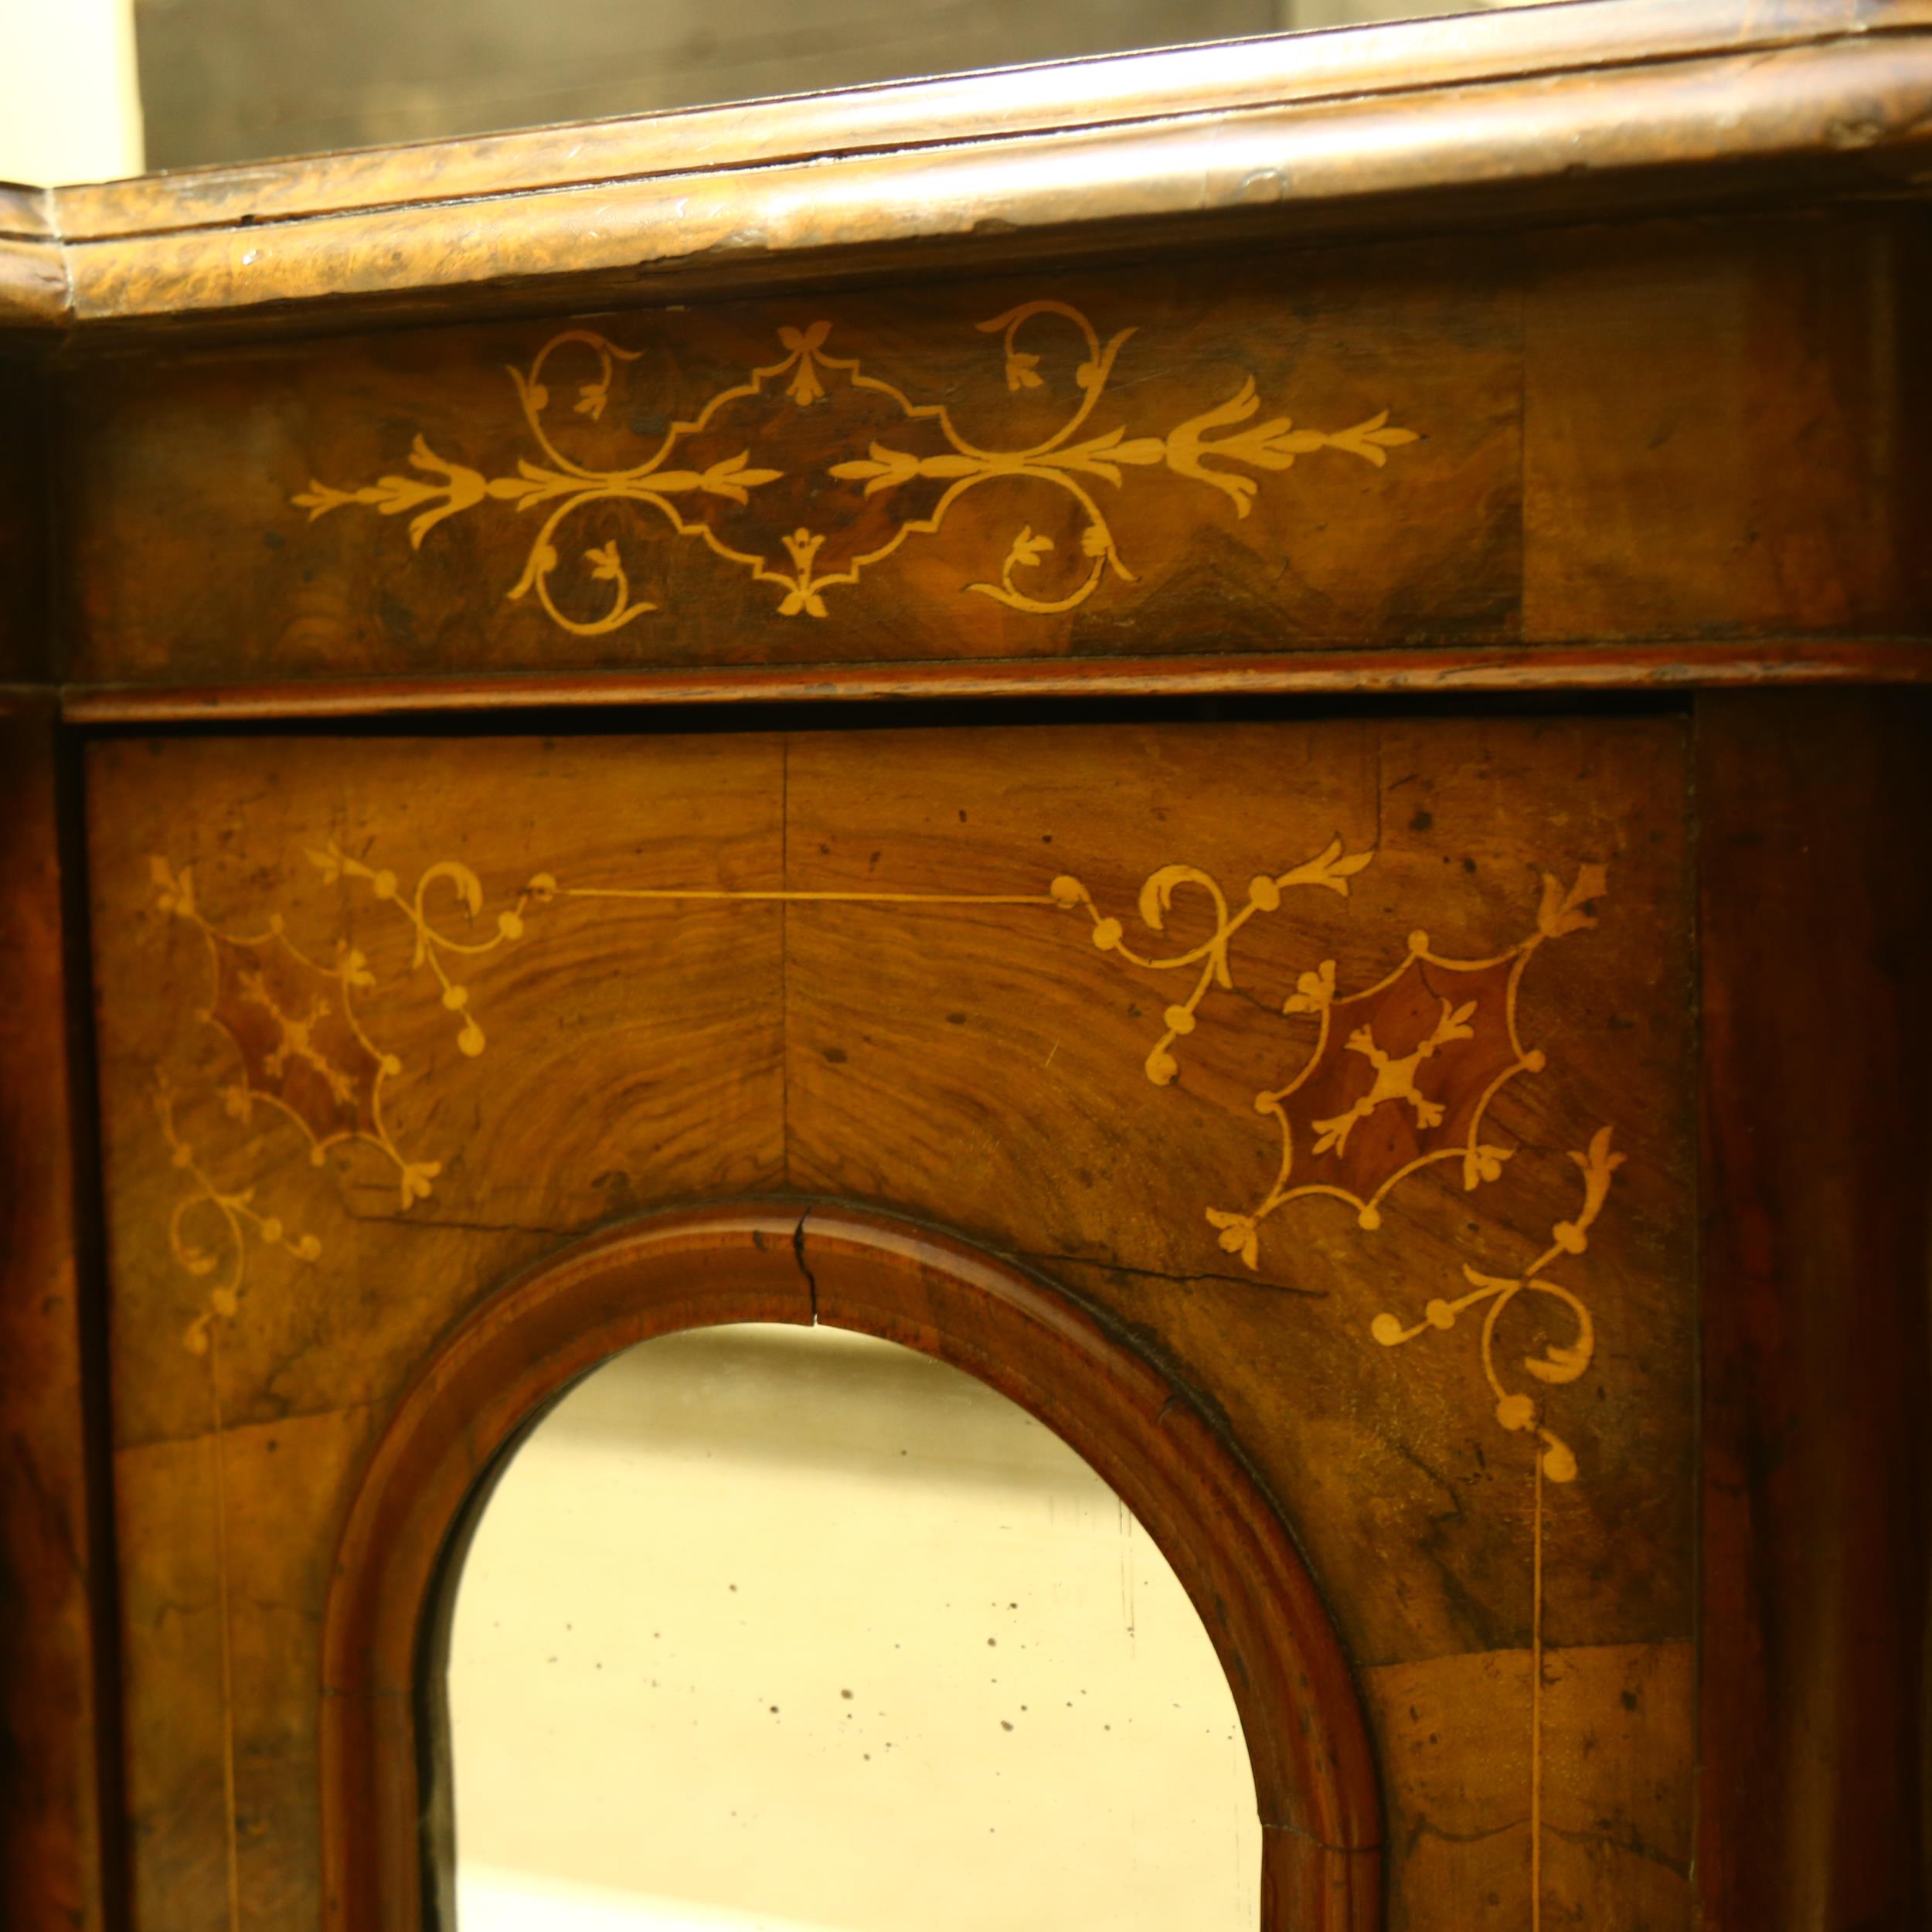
pixel 89 87
pixel 771 1629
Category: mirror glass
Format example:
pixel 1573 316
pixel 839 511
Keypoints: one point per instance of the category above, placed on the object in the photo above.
pixel 773 1629
pixel 237 81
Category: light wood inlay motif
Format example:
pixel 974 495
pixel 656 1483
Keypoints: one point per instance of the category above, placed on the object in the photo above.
pixel 293 1022
pixel 304 1051
pixel 1560 1362
pixel 1395 1085
pixel 899 901
pixel 232 1217
pixel 1415 1092
pixel 807 561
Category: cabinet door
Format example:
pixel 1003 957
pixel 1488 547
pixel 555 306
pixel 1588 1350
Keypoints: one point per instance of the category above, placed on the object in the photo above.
pixel 1345 1063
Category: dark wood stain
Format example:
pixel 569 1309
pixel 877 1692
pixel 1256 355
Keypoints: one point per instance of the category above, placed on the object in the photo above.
pixel 1650 589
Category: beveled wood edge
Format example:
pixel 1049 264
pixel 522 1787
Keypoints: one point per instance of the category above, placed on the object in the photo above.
pixel 1304 1883
pixel 1845 107
pixel 1117 1402
pixel 1525 668
pixel 800 1259
pixel 34 292
pixel 25 212
pixel 1401 56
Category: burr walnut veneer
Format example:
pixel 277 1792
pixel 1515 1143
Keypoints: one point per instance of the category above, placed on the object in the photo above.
pixel 1236 736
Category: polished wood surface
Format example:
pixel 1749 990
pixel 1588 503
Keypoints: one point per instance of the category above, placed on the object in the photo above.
pixel 1399 57
pixel 33 282
pixel 1530 113
pixel 1475 447
pixel 1472 410
pixel 1818 1364
pixel 1610 668
pixel 57 1748
pixel 900 967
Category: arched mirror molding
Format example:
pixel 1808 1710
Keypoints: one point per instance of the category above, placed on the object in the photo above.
pixel 497 1373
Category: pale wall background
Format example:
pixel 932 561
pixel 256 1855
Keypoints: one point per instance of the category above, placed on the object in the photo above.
pixel 70 110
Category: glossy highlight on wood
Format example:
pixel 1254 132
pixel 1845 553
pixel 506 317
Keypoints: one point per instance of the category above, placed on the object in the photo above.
pixel 1662 535
pixel 1610 106
pixel 1613 669
pixel 1433 1004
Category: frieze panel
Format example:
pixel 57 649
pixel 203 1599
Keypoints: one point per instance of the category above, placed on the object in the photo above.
pixel 907 465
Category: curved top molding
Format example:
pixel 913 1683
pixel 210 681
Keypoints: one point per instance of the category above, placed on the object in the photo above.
pixel 1543 112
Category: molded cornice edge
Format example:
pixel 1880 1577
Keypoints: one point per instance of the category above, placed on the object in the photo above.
pixel 1585 109
pixel 33 276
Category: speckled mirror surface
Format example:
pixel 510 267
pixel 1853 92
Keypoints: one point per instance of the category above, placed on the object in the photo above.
pixel 772 1629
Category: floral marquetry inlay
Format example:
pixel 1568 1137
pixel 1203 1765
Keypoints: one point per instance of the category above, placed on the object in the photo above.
pixel 300 1046
pixel 1330 870
pixel 1398 1077
pixel 1403 1073
pixel 908 465
pixel 211 1228
pixel 1559 1362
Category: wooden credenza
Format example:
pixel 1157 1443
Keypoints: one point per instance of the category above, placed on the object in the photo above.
pixel 1237 736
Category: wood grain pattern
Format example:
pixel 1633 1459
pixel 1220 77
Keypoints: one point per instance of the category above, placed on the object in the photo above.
pixel 1570 135
pixel 1162 1454
pixel 1396 57
pixel 1598 429
pixel 34 294
pixel 1108 1187
pixel 222 1592
pixel 1107 1173
pixel 1656 369
pixel 1816 1503
pixel 697 1057
pixel 54 1709
pixel 384 1024
pixel 1584 669
pixel 919 1017
pixel 1617 1840
pixel 1253 551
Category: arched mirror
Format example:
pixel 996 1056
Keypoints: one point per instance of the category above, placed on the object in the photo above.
pixel 773 1628
pixel 795 1567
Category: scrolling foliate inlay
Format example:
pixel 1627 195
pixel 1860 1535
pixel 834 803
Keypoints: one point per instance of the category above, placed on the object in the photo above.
pixel 913 465
pixel 431 941
pixel 1407 1085
pixel 1330 869
pixel 1410 1081
pixel 1560 1362
pixel 1401 1083
pixel 1518 1411
pixel 301 1047
pixel 230 1217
